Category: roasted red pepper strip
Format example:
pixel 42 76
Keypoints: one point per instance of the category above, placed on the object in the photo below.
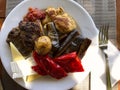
pixel 57 67
pixel 41 70
pixel 65 59
pixel 76 65
pixel 54 69
pixel 46 66
pixel 70 62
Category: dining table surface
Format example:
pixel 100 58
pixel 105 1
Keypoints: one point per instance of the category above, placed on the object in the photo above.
pixel 7 5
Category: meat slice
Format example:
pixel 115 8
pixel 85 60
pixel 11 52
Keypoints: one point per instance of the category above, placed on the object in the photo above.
pixel 24 35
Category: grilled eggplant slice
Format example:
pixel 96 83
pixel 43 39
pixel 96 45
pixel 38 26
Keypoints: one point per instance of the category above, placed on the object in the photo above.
pixel 52 33
pixel 67 42
pixel 83 47
pixel 80 45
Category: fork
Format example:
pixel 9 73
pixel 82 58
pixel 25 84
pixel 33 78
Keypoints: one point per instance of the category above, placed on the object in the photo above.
pixel 103 41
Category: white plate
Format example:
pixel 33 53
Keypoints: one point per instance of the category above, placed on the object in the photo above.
pixel 87 28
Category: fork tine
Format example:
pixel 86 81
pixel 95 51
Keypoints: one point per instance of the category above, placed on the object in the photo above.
pixel 103 34
pixel 100 34
pixel 107 28
pixel 106 32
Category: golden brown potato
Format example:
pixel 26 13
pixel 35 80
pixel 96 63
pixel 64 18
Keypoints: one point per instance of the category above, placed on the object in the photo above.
pixel 52 12
pixel 43 45
pixel 64 23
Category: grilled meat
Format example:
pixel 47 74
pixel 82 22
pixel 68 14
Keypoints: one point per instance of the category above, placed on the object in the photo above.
pixel 24 35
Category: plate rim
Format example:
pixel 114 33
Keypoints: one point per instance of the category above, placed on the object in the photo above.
pixel 72 1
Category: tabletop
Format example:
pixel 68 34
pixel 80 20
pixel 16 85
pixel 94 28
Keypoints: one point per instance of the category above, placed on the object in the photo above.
pixel 113 11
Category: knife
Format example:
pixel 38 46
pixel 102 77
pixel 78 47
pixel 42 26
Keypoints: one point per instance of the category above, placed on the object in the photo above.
pixel 89 80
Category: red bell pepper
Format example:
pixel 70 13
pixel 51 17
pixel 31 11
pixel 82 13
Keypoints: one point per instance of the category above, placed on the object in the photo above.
pixel 65 59
pixel 54 69
pixel 46 66
pixel 39 68
pixel 70 62
pixel 57 67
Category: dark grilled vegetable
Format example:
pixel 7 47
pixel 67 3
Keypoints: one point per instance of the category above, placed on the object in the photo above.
pixel 80 45
pixel 67 42
pixel 62 36
pixel 75 44
pixel 83 47
pixel 52 33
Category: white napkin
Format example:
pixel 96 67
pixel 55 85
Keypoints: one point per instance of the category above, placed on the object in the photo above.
pixel 22 68
pixel 114 58
pixel 98 77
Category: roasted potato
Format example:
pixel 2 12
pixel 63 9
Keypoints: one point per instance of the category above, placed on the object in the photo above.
pixel 43 45
pixel 65 23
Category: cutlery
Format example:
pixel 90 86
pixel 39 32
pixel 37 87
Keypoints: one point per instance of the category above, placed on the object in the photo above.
pixel 103 41
pixel 89 80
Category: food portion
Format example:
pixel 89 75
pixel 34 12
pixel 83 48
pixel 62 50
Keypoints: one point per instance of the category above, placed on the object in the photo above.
pixel 51 38
pixel 57 67
pixel 24 36
pixel 63 21
pixel 43 45
pixel 34 14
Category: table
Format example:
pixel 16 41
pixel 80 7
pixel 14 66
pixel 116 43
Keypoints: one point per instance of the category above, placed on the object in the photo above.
pixel 11 84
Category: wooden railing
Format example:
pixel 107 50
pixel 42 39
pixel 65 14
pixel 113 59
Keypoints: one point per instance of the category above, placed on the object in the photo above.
pixel 118 23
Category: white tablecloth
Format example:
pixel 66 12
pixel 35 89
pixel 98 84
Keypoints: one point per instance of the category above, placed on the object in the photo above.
pixel 102 11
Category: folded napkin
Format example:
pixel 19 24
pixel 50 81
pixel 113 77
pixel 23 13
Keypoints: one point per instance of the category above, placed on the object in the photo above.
pixel 22 68
pixel 114 61
pixel 98 77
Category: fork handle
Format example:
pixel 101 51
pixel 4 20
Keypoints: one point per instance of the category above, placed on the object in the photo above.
pixel 108 80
